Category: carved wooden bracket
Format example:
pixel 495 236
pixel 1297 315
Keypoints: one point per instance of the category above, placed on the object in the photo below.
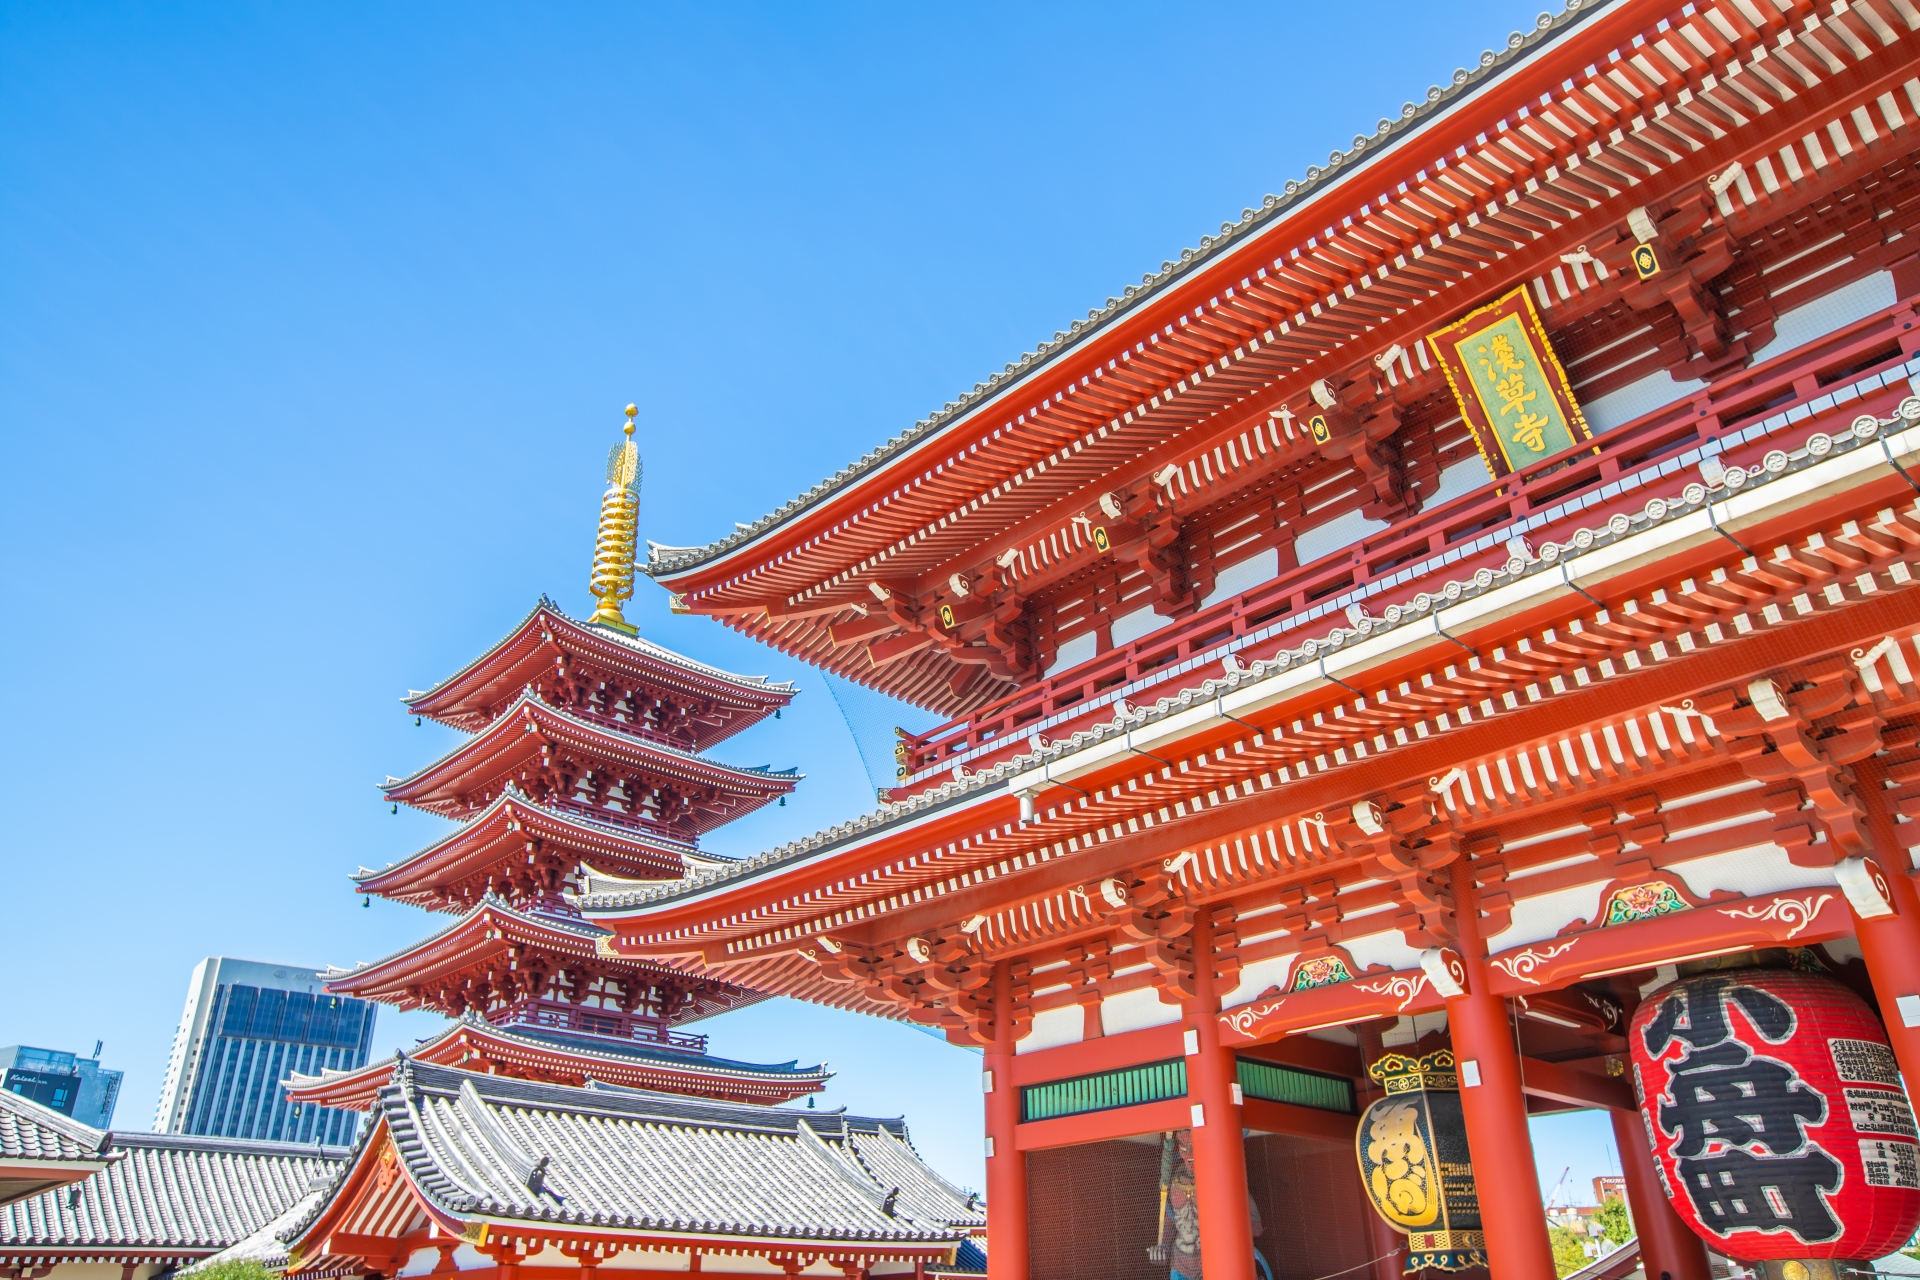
pixel 1800 741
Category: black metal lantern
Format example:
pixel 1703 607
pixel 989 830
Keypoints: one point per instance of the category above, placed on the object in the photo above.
pixel 1414 1162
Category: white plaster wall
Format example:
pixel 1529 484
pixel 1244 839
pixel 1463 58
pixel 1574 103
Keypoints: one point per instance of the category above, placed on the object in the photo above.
pixel 1655 391
pixel 1389 948
pixel 1135 1011
pixel 1054 1027
pixel 1764 868
pixel 1071 653
pixel 1129 627
pixel 1243 575
pixel 1546 914
pixel 101 1271
pixel 1337 534
pixel 1257 977
pixel 667 1260
pixel 1865 297
pixel 420 1262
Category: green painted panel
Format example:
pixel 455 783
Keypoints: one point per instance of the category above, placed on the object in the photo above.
pixel 1158 1081
pixel 1127 1087
pixel 1272 1083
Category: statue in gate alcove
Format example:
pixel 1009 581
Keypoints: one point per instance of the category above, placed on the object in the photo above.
pixel 1178 1244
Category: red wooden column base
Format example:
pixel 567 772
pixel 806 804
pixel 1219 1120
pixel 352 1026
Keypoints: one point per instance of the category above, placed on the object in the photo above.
pixel 1008 1256
pixel 1669 1249
pixel 1495 1109
pixel 1891 944
pixel 1219 1151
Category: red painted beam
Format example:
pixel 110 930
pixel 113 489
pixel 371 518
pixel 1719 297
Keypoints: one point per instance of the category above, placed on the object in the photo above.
pixel 1558 1082
pixel 1102 1053
pixel 1103 1126
pixel 1302 1122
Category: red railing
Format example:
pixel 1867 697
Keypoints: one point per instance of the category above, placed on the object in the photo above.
pixel 1574 482
pixel 554 1015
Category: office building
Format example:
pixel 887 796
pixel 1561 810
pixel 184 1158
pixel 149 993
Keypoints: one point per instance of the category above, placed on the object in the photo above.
pixel 246 1027
pixel 66 1082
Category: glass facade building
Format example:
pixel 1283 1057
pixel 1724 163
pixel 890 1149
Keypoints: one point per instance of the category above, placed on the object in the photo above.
pixel 66 1082
pixel 246 1027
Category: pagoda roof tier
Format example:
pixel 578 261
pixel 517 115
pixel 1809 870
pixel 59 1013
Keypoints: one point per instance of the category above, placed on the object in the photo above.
pixel 539 745
pixel 521 849
pixel 908 571
pixel 496 954
pixel 530 1053
pixel 549 650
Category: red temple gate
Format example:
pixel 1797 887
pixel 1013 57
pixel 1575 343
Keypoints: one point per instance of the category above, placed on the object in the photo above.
pixel 1318 695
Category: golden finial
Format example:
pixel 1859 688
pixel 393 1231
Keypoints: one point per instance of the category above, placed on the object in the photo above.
pixel 613 552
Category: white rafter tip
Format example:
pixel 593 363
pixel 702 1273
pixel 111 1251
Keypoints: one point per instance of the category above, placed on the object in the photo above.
pixel 1766 699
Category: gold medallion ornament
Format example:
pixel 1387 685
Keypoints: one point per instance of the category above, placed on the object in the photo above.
pixel 1509 384
pixel 1414 1163
pixel 613 552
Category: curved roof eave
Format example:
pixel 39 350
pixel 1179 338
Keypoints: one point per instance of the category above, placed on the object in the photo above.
pixel 1252 226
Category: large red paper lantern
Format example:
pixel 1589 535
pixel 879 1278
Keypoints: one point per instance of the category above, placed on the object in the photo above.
pixel 1777 1118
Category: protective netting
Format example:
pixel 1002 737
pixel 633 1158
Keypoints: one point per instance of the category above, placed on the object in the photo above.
pixel 871 717
pixel 1126 1210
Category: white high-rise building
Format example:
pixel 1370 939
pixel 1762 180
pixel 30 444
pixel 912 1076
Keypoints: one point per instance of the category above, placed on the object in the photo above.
pixel 246 1027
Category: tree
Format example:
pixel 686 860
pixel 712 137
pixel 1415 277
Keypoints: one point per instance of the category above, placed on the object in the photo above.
pixel 233 1269
pixel 1569 1250
pixel 1615 1222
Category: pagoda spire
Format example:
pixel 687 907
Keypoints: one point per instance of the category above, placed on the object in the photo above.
pixel 613 552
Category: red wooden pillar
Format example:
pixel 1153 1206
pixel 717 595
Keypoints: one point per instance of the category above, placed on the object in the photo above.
pixel 1495 1109
pixel 1007 1253
pixel 1891 944
pixel 1219 1150
pixel 1669 1250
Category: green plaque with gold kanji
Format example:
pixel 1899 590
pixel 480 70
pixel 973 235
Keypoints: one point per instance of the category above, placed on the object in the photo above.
pixel 1509 384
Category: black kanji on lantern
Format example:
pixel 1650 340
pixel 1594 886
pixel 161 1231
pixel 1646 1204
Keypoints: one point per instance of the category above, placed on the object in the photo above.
pixel 1728 1106
pixel 1697 1014
pixel 1726 1094
pixel 1737 1189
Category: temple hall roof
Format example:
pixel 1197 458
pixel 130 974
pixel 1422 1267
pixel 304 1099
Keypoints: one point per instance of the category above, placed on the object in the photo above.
pixel 752 915
pixel 166 1197
pixel 40 1148
pixel 469 697
pixel 513 1151
pixel 1020 376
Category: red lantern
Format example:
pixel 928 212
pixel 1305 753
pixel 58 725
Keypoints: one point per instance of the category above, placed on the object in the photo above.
pixel 1777 1118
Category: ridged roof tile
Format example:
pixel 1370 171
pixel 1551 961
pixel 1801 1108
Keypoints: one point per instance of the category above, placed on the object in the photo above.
pixel 169 1192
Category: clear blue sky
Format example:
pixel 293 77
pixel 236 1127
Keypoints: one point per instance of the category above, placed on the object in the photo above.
pixel 315 325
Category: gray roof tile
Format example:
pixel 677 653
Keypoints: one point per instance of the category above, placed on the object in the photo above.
pixel 168 1193
pixel 29 1131
pixel 515 1149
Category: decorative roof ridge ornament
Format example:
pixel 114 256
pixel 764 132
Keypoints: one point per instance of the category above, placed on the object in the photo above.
pixel 613 550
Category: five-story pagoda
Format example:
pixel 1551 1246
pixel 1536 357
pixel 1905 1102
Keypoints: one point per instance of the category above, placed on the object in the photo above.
pixel 585 764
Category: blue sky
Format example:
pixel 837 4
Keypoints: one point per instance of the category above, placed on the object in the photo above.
pixel 315 326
